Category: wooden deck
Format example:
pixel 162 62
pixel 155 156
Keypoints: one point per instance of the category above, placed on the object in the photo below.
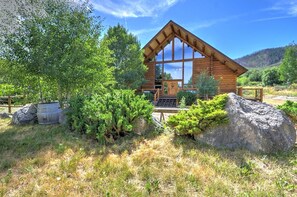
pixel 171 110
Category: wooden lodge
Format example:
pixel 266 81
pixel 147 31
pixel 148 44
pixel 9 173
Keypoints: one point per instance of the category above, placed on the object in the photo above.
pixel 175 57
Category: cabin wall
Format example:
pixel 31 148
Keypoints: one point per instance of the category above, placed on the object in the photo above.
pixel 221 72
pixel 149 76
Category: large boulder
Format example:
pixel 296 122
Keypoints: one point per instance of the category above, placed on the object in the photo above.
pixel 25 115
pixel 254 126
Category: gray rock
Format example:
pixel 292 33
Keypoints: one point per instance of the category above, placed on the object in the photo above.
pixel 25 115
pixel 4 115
pixel 255 126
pixel 140 125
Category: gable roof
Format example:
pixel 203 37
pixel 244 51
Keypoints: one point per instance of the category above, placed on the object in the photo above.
pixel 171 30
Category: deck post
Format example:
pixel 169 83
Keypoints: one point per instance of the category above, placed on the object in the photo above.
pixel 261 94
pixel 239 91
pixel 9 104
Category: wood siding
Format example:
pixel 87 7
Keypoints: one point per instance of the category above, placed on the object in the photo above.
pixel 150 76
pixel 226 76
pixel 220 71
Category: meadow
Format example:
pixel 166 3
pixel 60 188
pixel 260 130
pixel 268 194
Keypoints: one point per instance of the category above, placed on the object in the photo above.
pixel 38 160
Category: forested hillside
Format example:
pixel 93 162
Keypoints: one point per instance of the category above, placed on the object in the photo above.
pixel 263 58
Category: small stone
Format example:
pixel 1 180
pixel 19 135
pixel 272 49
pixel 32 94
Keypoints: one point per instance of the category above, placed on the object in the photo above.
pixel 4 115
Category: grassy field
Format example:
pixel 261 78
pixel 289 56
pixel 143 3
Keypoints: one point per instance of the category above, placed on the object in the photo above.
pixel 51 161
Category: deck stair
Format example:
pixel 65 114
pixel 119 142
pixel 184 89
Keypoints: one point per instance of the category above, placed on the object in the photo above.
pixel 166 102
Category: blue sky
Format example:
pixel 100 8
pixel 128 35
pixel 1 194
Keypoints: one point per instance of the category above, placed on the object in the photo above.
pixel 235 27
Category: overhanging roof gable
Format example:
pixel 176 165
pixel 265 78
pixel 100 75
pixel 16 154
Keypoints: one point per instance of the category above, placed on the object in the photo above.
pixel 171 30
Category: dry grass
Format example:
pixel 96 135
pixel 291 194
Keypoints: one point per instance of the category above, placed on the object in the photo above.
pixel 51 161
pixel 279 91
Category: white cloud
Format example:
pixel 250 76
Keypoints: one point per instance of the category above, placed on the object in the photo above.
pixel 287 7
pixel 131 8
pixel 282 9
pixel 210 23
pixel 145 31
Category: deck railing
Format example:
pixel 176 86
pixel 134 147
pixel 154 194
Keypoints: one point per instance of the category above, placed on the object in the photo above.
pixel 156 92
pixel 157 95
pixel 251 93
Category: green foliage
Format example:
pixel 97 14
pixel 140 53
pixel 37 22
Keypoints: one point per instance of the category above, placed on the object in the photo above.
pixel 149 96
pixel 243 81
pixel 271 77
pixel 60 48
pixel 207 85
pixel 128 64
pixel 182 103
pixel 108 116
pixel 290 108
pixel 199 117
pixel 8 90
pixel 190 97
pixel 288 68
pixel 254 75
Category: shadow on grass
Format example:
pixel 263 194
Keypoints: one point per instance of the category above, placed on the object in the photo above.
pixel 18 143
pixel 238 156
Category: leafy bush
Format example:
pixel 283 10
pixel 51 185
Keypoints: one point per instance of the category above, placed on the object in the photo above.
pixel 190 97
pixel 182 103
pixel 207 85
pixel 199 117
pixel 8 90
pixel 242 81
pixel 271 77
pixel 290 108
pixel 108 116
pixel 149 96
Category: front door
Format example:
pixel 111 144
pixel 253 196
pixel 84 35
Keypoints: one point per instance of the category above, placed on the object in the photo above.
pixel 170 88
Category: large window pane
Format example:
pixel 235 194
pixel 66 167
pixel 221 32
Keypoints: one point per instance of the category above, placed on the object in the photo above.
pixel 173 70
pixel 158 74
pixel 168 52
pixel 159 56
pixel 188 52
pixel 188 72
pixel 178 49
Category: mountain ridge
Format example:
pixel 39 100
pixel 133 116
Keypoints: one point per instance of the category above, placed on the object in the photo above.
pixel 263 58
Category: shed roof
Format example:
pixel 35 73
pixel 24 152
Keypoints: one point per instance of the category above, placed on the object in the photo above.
pixel 171 30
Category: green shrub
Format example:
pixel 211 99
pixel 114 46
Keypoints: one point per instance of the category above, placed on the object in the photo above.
pixel 182 103
pixel 8 90
pixel 148 96
pixel 271 76
pixel 199 117
pixel 243 81
pixel 290 108
pixel 190 97
pixel 206 85
pixel 108 116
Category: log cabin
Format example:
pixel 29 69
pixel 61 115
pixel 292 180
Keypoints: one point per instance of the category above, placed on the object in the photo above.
pixel 175 57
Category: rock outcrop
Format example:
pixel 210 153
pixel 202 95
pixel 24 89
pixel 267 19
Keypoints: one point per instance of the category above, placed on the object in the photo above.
pixel 25 115
pixel 254 126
